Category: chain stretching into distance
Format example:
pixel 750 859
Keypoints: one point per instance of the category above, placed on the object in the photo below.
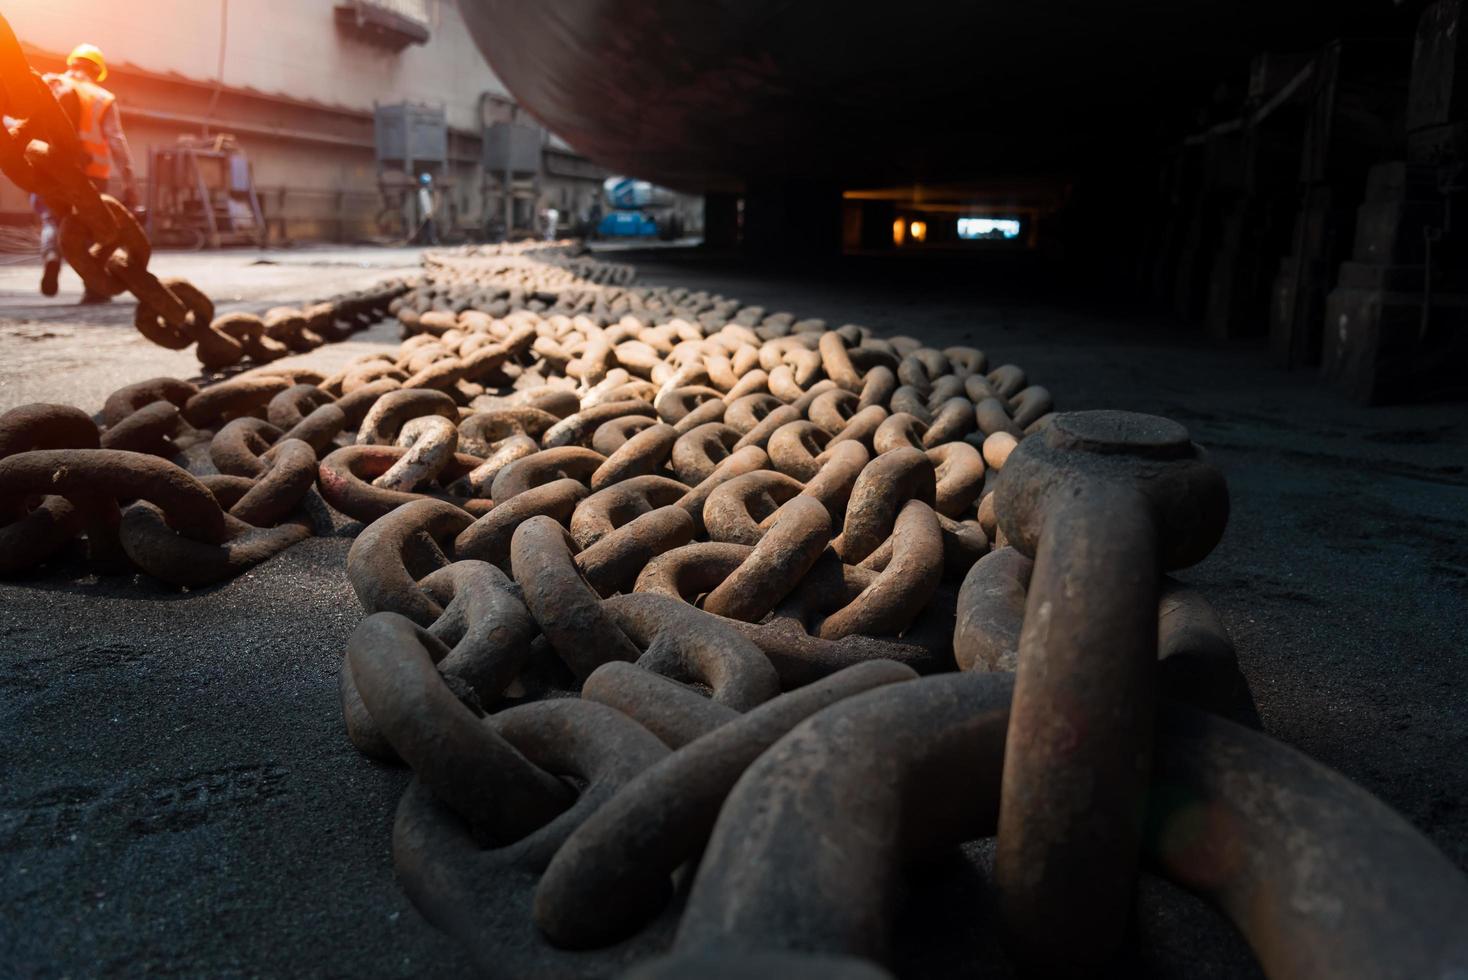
pixel 698 623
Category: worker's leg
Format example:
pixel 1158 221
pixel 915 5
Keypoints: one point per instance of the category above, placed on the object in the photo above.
pixel 87 295
pixel 50 252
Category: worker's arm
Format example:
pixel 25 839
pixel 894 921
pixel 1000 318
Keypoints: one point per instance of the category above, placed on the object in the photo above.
pixel 122 156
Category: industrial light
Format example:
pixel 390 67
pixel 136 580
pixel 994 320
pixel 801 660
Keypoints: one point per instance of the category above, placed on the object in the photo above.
pixel 1001 228
pixel 899 231
pixel 919 231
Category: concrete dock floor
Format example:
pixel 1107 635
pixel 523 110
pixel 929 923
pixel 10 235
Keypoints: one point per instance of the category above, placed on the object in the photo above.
pixel 56 350
pixel 178 797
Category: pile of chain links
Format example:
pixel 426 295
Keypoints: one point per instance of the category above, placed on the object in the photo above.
pixel 691 692
pixel 697 623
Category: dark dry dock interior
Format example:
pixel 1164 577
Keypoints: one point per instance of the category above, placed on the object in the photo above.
pixel 180 798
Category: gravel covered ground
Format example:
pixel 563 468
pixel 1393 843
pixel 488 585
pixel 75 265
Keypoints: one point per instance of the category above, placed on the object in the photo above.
pixel 178 797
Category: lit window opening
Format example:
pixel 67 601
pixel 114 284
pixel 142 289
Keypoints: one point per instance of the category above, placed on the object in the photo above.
pixel 1001 229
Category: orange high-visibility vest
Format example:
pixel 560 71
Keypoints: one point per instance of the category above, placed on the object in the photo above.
pixel 93 101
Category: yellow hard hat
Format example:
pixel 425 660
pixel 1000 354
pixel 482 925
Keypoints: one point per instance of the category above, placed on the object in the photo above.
pixel 91 53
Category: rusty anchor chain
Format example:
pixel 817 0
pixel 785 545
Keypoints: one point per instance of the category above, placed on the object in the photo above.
pixel 698 623
pixel 1103 502
pixel 101 240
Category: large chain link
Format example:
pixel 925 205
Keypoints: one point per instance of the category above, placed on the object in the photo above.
pixel 697 623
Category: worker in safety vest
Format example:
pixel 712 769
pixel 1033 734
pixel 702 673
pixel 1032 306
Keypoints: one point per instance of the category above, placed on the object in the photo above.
pixel 99 126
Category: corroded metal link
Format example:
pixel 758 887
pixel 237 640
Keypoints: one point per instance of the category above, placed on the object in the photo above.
pixel 1101 501
pixel 392 554
pixel 278 491
pixel 292 406
pixel 767 426
pixel 150 430
pixel 613 434
pixel 673 712
pixel 31 535
pixel 150 538
pixel 862 427
pixel 344 479
pixel 482 431
pixel 1030 405
pixel 698 452
pixel 488 538
pixel 390 412
pixel 833 410
pixel 901 430
pixel 877 388
pixel 1197 664
pixel 612 874
pixel 958 470
pixel 697 648
pixel 607 510
pixel 964 542
pixel 461 887
pixel 431 443
pixel 479 481
pixel 486 634
pixel 841 466
pixel 746 412
pixel 737 463
pixel 896 751
pixel 468 764
pixel 319 429
pixel 692 570
pixel 991 607
pixel 232 399
pixel 885 484
pixel 1288 828
pixel 44 426
pixel 642 455
pixel 903 588
pixel 45 156
pixel 953 420
pixel 540 468
pixel 675 404
pixel 779 560
pixel 734 510
pixel 129 398
pixel 795 449
pixel 709 411
pixel 90 257
pixel 613 563
pixel 238 447
pixel 1320 877
pixel 567 608
pixel 577 429
pixel 190 507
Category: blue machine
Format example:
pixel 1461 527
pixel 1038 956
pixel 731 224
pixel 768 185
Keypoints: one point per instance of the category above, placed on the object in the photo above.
pixel 627 224
pixel 632 209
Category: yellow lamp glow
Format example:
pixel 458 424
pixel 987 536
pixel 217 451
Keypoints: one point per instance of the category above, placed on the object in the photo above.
pixel 919 231
pixel 899 231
